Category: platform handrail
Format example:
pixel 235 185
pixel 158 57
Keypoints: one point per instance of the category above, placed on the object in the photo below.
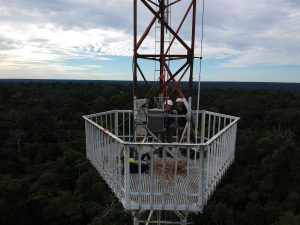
pixel 110 142
pixel 212 139
pixel 235 120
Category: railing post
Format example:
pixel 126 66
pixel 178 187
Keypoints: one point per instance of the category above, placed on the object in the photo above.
pixel 116 123
pixel 201 178
pixel 203 126
pixel 234 138
pixel 126 175
pixel 86 137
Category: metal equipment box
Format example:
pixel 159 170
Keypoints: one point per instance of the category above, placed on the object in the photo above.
pixel 156 121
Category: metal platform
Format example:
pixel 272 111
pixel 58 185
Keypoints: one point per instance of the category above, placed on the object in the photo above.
pixel 110 142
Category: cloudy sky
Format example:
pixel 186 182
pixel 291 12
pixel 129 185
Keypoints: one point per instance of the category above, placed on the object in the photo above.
pixel 244 40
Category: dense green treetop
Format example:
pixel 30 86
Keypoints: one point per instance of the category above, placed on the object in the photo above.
pixel 46 179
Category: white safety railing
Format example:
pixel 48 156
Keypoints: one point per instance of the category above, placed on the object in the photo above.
pixel 177 176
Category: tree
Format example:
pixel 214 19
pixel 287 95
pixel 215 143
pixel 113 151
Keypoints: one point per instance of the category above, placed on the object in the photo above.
pixel 289 218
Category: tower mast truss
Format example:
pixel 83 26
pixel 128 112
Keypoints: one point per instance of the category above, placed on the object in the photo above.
pixel 185 57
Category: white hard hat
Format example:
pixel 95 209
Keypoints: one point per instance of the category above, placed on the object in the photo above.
pixel 179 100
pixel 168 102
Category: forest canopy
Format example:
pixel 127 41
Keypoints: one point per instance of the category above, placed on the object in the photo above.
pixel 45 177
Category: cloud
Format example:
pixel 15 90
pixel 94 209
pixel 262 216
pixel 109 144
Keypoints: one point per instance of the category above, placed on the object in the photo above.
pixel 243 33
pixel 35 70
pixel 49 43
pixel 261 56
pixel 255 32
pixel 68 13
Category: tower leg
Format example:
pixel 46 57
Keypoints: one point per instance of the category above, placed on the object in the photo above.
pixel 158 217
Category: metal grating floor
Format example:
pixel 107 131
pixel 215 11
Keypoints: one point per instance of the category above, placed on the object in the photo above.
pixel 181 191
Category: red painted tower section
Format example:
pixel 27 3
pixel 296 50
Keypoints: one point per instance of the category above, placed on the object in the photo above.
pixel 182 53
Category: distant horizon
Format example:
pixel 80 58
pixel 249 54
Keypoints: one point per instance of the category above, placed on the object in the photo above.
pixel 99 80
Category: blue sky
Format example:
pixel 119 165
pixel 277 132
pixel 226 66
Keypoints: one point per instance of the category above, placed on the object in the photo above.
pixel 249 40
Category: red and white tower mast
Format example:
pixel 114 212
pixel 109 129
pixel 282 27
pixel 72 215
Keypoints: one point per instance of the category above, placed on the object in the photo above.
pixel 177 48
